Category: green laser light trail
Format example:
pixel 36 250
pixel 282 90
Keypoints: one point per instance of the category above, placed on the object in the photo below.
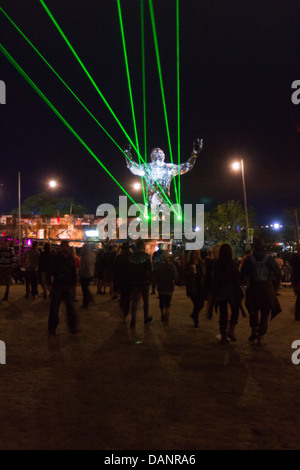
pixel 143 74
pixel 69 89
pixel 143 80
pixel 92 81
pixel 178 97
pixel 127 71
pixel 59 77
pixel 162 87
pixel 59 115
pixel 130 89
pixel 86 71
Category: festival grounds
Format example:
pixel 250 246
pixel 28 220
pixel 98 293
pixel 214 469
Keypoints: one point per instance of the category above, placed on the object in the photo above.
pixel 160 387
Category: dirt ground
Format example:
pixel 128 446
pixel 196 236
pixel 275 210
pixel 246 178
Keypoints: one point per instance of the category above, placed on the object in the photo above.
pixel 162 387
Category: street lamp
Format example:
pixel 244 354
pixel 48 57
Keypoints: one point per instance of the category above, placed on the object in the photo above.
pixel 137 186
pixel 52 184
pixel 239 165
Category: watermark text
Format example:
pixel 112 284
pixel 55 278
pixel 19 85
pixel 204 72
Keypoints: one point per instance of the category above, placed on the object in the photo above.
pixel 2 92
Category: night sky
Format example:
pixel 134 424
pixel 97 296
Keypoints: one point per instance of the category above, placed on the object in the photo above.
pixel 238 60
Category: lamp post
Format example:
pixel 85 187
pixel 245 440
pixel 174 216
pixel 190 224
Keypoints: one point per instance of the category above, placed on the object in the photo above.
pixel 236 166
pixel 52 185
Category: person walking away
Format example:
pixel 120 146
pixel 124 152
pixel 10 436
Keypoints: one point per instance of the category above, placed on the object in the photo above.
pixel 195 283
pixel 287 271
pixel 227 292
pixel 31 265
pixel 156 258
pixel 43 268
pixel 280 263
pixel 258 271
pixel 140 276
pixel 107 267
pixel 99 270
pixel 77 267
pixel 122 275
pixel 165 278
pixel 295 280
pixel 86 273
pixel 62 273
pixel 212 256
pixel 7 264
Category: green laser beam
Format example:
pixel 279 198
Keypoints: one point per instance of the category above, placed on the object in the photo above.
pixel 59 77
pixel 59 115
pixel 95 86
pixel 130 89
pixel 127 71
pixel 143 83
pixel 86 71
pixel 62 81
pixel 178 97
pixel 162 87
pixel 144 75
pixel 65 84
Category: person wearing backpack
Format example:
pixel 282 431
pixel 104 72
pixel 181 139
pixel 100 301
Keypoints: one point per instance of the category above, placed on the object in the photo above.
pixel 258 271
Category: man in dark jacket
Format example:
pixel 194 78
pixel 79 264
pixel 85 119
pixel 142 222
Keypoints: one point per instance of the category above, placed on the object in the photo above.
pixel 156 258
pixel 165 276
pixel 63 274
pixel 7 263
pixel 140 275
pixel 259 270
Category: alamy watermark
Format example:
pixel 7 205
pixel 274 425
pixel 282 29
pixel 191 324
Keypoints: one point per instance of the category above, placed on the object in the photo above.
pixel 137 222
pixel 2 92
pixel 296 354
pixel 2 353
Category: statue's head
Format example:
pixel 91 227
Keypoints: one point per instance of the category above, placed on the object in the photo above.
pixel 157 155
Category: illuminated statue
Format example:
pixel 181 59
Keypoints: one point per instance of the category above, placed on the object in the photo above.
pixel 158 174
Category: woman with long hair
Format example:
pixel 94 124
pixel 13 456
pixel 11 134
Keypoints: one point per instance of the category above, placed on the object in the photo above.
pixel 227 292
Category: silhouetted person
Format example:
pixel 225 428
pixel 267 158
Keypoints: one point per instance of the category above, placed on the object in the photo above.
pixel 63 274
pixel 140 275
pixel 86 273
pixel 31 265
pixel 107 269
pixel 165 277
pixel 295 280
pixel 212 256
pixel 43 268
pixel 227 292
pixel 259 270
pixel 122 275
pixel 156 258
pixel 195 283
pixel 7 263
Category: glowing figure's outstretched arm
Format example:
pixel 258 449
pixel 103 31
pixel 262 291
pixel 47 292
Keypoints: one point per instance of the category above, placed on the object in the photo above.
pixel 188 165
pixel 134 167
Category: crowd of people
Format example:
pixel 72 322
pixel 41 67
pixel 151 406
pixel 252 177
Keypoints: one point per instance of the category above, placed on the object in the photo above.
pixel 214 279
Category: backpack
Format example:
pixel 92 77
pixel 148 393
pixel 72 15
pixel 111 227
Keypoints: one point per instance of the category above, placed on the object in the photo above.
pixel 260 269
